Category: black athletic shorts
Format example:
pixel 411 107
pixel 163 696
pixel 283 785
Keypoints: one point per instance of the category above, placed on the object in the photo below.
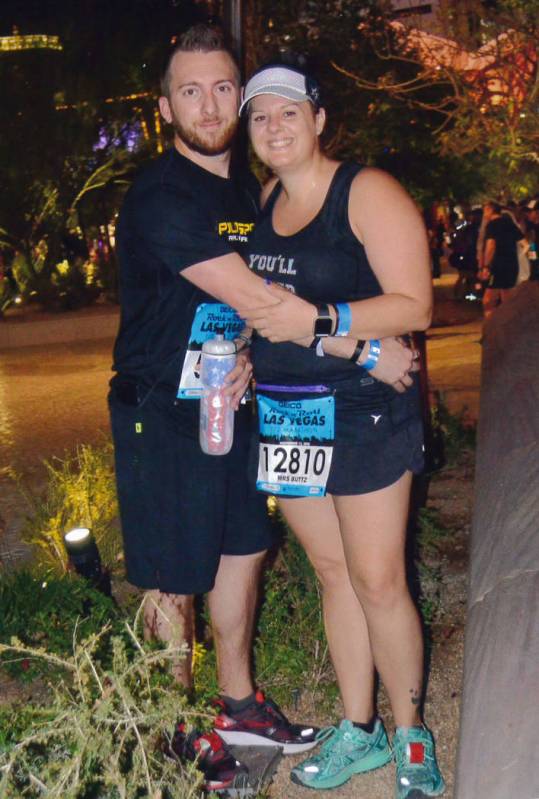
pixel 375 444
pixel 180 509
pixel 378 437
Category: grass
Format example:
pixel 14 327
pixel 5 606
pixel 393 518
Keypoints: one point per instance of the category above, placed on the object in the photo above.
pixel 98 736
pixel 80 492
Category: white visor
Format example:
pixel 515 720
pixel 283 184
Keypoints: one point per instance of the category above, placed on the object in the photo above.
pixel 279 81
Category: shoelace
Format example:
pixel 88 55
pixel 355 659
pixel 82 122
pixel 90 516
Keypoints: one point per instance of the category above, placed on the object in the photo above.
pixel 334 751
pixel 402 758
pixel 274 710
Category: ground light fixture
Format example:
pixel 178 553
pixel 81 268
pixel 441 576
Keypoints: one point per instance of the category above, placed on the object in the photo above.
pixel 84 558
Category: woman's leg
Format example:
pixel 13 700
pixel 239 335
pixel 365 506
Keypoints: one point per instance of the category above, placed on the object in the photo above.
pixel 316 525
pixel 373 528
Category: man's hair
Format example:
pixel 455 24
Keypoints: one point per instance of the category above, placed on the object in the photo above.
pixel 200 38
pixel 495 207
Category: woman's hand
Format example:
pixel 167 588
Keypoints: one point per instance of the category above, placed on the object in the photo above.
pixel 239 378
pixel 289 319
pixel 395 363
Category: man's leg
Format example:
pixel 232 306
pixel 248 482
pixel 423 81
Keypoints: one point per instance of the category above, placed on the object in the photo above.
pixel 170 618
pixel 232 604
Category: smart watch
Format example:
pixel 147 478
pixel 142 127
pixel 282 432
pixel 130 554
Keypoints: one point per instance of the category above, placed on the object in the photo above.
pixel 323 325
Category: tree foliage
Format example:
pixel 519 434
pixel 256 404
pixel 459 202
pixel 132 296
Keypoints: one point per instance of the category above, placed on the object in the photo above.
pixel 403 102
pixel 75 123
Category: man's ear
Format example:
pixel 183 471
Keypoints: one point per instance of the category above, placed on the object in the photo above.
pixel 164 107
pixel 320 121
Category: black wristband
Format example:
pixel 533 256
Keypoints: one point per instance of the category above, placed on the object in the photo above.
pixel 323 325
pixel 358 350
pixel 314 343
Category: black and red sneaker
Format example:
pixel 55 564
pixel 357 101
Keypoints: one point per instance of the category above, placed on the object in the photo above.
pixel 262 723
pixel 221 770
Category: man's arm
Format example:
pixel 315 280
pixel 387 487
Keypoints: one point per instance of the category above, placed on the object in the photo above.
pixel 387 223
pixel 488 256
pixel 229 279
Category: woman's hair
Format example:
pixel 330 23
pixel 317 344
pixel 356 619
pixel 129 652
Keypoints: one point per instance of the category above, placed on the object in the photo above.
pixel 200 38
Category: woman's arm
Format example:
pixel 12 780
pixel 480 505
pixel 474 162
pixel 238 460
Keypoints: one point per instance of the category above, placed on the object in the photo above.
pixel 385 219
pixel 394 365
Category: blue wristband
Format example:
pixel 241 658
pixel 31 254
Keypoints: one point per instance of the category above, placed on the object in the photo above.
pixel 374 354
pixel 344 316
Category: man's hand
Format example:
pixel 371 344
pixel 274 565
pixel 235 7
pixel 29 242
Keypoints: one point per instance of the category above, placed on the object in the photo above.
pixel 239 378
pixel 395 363
pixel 289 319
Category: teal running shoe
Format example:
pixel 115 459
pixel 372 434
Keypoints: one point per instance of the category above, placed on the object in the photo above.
pixel 347 750
pixel 418 775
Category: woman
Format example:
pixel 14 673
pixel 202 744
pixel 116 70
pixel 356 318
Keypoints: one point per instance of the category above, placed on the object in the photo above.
pixel 337 446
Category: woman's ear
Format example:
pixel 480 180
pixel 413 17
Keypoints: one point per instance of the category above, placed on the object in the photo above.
pixel 320 121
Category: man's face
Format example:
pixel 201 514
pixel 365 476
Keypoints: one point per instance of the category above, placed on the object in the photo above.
pixel 203 101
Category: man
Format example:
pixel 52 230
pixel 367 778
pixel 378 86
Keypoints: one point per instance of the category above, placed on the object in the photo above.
pixel 193 523
pixel 500 257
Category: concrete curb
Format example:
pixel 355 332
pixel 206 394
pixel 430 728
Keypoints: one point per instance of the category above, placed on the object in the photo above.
pixel 38 329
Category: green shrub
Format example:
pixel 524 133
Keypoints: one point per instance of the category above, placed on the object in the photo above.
pixel 43 612
pixel 430 530
pixel 80 492
pixel 101 734
pixel 290 647
pixel 457 430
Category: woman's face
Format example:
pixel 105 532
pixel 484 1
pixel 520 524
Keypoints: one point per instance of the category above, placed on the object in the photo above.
pixel 284 133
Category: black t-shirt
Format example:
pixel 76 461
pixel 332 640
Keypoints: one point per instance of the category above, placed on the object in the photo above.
pixel 504 266
pixel 175 214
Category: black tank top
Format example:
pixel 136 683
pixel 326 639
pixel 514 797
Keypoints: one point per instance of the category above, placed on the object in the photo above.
pixel 323 262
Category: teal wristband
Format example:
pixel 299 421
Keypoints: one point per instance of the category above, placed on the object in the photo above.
pixel 344 318
pixel 374 354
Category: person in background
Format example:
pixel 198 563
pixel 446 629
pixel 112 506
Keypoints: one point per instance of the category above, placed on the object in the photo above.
pixel 532 236
pixel 499 257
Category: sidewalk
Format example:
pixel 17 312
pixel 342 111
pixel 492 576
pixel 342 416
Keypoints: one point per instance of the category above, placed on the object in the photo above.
pixel 25 327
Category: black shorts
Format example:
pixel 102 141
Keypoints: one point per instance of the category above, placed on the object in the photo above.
pixel 378 436
pixel 181 509
pixel 376 445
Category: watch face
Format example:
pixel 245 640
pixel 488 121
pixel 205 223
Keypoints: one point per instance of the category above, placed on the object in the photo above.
pixel 323 326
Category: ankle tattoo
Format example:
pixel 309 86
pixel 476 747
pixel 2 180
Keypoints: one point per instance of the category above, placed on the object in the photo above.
pixel 415 696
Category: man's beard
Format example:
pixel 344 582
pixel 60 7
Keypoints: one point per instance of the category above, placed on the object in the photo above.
pixel 210 145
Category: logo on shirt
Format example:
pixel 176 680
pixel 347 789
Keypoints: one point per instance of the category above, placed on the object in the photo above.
pixel 235 231
pixel 272 263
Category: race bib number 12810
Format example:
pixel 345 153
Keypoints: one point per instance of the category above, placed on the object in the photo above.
pixel 296 445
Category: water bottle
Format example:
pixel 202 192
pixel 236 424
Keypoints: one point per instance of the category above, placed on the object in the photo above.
pixel 216 413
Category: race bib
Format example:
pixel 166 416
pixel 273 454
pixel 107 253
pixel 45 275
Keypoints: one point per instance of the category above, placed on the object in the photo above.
pixel 210 318
pixel 296 445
